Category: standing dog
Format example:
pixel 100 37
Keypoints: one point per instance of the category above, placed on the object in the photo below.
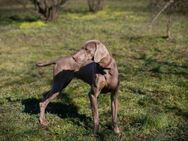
pixel 94 65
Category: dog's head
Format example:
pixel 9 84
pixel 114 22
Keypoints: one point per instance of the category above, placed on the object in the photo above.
pixel 92 50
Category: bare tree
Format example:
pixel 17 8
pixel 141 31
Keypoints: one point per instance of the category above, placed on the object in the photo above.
pixel 95 5
pixel 168 25
pixel 48 8
pixel 169 7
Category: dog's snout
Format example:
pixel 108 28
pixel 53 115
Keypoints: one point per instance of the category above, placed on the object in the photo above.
pixel 79 56
pixel 76 57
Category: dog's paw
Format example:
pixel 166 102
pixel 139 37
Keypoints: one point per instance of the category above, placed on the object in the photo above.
pixel 43 123
pixel 117 130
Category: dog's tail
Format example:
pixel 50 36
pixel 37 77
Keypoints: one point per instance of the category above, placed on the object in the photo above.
pixel 45 64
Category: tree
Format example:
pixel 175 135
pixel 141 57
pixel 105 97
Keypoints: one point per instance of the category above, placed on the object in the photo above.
pixel 169 7
pixel 168 25
pixel 95 5
pixel 48 8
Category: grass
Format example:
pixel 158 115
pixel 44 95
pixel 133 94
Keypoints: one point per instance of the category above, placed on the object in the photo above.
pixel 153 92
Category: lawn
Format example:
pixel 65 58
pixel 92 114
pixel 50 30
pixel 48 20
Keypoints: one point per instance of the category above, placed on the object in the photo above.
pixel 153 94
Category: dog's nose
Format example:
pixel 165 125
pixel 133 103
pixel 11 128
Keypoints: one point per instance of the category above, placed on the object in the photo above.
pixel 76 57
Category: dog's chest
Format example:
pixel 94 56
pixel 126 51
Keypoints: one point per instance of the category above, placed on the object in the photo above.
pixel 89 72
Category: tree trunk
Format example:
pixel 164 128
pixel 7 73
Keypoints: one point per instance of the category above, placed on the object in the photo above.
pixel 48 8
pixel 95 5
pixel 168 26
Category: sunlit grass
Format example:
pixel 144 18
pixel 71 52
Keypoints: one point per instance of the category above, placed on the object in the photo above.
pixel 153 73
pixel 36 24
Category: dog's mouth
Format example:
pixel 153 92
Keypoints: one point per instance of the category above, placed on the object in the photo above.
pixel 77 62
pixel 92 58
pixel 74 58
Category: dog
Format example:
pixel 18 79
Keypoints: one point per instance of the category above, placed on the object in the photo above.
pixel 94 65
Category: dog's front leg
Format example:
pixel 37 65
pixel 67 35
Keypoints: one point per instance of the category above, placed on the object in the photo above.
pixel 94 108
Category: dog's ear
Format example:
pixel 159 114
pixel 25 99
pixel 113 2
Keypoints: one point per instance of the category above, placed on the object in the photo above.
pixel 100 53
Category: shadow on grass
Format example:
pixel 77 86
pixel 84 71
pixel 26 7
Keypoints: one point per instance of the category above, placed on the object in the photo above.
pixel 177 111
pixel 162 38
pixel 63 110
pixel 108 135
pixel 16 15
pixel 75 11
pixel 67 109
pixel 162 67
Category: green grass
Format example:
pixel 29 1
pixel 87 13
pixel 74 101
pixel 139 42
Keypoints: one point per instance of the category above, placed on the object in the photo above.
pixel 153 91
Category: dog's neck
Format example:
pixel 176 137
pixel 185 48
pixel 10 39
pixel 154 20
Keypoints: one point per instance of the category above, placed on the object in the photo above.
pixel 78 65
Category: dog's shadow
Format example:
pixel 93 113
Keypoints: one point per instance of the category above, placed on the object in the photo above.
pixel 67 109
pixel 62 109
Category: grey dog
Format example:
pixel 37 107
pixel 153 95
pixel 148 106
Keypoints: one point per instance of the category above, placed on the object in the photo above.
pixel 94 65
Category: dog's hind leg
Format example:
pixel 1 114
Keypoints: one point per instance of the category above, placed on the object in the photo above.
pixel 43 104
pixel 114 108
pixel 60 82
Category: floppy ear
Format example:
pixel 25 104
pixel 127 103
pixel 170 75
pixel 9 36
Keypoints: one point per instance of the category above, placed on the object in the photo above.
pixel 100 53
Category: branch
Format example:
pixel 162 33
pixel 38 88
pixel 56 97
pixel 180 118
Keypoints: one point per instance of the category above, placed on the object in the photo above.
pixel 163 9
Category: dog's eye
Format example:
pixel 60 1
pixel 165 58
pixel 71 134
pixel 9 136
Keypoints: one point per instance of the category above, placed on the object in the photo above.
pixel 87 50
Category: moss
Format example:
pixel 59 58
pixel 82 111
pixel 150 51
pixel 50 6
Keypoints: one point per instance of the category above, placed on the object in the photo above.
pixel 27 25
